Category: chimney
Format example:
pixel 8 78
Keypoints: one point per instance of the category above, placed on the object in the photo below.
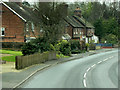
pixel 77 12
pixel 65 7
pixel 19 2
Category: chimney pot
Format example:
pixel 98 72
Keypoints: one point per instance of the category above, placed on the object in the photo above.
pixel 77 12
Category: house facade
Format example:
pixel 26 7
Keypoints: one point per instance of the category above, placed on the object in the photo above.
pixel 78 28
pixel 17 22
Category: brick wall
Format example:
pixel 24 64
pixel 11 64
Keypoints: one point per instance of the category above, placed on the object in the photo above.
pixel 14 26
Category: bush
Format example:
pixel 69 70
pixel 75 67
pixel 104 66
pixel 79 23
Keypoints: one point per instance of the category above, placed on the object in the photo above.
pixel 64 47
pixel 29 48
pixel 75 51
pixel 38 45
pixel 92 46
pixel 75 46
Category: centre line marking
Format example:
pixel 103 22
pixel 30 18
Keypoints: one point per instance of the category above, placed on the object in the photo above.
pixel 93 65
pixel 111 57
pixel 85 75
pixel 106 59
pixel 99 62
pixel 88 69
pixel 84 81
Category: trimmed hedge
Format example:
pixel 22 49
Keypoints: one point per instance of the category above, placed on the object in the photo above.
pixel 12 45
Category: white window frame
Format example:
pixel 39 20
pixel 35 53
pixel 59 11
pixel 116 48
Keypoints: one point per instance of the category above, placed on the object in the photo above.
pixel 76 31
pixel 80 33
pixel 2 29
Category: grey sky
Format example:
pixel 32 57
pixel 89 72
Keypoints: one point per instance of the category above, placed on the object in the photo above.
pixel 68 0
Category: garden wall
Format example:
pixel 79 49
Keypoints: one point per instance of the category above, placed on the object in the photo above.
pixel 25 61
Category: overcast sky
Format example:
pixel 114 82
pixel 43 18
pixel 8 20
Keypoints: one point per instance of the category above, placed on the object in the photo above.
pixel 65 0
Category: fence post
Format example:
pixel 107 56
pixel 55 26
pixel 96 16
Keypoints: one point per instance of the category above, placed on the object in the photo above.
pixel 18 63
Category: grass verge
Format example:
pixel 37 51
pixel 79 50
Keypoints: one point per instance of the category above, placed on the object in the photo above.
pixel 12 53
pixel 61 56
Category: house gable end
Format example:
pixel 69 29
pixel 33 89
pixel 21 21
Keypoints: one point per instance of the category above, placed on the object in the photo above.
pixel 14 11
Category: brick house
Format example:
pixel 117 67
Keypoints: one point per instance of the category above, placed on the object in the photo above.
pixel 78 28
pixel 17 22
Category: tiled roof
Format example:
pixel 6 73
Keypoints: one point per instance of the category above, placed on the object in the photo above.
pixel 77 21
pixel 73 22
pixel 82 20
pixel 24 12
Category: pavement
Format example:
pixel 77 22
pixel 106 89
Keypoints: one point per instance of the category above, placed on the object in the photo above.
pixel 12 78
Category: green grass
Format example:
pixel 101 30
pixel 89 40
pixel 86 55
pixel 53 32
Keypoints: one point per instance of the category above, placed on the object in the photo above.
pixel 11 52
pixel 61 56
pixel 9 58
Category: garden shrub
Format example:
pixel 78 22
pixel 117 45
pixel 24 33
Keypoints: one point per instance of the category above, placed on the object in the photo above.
pixel 64 47
pixel 38 45
pixel 75 46
pixel 29 48
pixel 92 46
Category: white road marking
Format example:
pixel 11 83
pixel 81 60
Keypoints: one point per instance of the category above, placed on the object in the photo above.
pixel 93 65
pixel 106 59
pixel 88 69
pixel 85 75
pixel 99 62
pixel 84 82
pixel 111 57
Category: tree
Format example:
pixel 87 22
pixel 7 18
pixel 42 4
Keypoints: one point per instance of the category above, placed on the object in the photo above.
pixel 99 31
pixel 110 38
pixel 51 17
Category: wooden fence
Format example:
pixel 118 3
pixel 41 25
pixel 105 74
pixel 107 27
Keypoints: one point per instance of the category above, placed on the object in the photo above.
pixel 25 61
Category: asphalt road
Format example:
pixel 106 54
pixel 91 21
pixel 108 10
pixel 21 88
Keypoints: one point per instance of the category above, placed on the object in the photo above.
pixel 96 71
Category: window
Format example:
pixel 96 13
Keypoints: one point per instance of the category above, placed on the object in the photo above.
pixel 32 27
pixel 2 31
pixel 27 27
pixel 80 32
pixel 76 31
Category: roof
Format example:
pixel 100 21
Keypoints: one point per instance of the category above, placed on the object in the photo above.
pixel 23 12
pixel 83 21
pixel 77 22
pixel 73 22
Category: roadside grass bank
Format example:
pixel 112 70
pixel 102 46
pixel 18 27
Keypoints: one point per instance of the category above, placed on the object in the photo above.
pixel 12 53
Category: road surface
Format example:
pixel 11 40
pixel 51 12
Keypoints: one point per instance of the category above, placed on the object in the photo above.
pixel 95 71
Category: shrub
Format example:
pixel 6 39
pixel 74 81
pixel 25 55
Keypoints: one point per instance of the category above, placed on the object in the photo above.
pixel 29 48
pixel 87 45
pixel 75 46
pixel 64 47
pixel 92 46
pixel 38 45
